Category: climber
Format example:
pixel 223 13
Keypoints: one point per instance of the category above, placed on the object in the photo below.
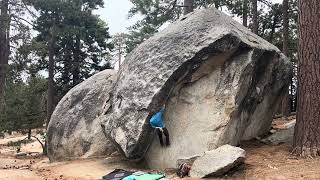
pixel 156 122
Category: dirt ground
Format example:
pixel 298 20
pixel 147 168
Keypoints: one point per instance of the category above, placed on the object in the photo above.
pixel 262 162
pixel 276 162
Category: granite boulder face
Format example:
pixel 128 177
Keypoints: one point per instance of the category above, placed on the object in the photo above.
pixel 75 129
pixel 220 82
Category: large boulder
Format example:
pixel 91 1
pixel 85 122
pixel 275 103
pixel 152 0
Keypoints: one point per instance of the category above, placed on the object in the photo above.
pixel 217 162
pixel 75 130
pixel 220 82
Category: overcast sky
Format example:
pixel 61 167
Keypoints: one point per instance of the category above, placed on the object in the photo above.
pixel 115 13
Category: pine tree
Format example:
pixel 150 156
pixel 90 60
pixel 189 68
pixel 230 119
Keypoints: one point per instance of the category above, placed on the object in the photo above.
pixel 156 13
pixel 81 45
pixel 50 93
pixel 48 21
pixel 255 24
pixel 24 101
pixel 4 43
pixel 12 18
pixel 34 103
pixel 118 41
pixel 307 129
pixel 245 13
pixel 285 50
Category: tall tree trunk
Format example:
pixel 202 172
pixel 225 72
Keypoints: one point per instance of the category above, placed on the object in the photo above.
pixel 188 6
pixel 120 54
pixel 67 64
pixel 245 13
pixel 254 16
pixel 285 5
pixel 51 45
pixel 307 130
pixel 217 4
pixel 76 62
pixel 273 27
pixel 29 134
pixel 296 101
pixel 4 44
pixel 285 50
pixel 292 109
pixel 77 54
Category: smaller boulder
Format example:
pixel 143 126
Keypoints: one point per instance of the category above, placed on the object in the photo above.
pixel 75 129
pixel 217 162
pixel 283 135
pixel 20 154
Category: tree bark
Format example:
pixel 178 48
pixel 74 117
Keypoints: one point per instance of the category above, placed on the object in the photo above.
pixel 4 44
pixel 120 54
pixel 285 6
pixel 188 6
pixel 216 4
pixel 291 99
pixel 273 28
pixel 285 50
pixel 67 64
pixel 307 130
pixel 50 95
pixel 254 16
pixel 29 134
pixel 76 62
pixel 245 13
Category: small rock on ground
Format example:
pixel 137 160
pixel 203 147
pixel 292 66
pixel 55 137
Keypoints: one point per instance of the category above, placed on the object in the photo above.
pixel 217 162
pixel 280 136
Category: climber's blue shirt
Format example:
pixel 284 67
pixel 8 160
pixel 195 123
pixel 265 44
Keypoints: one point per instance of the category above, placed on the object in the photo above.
pixel 157 120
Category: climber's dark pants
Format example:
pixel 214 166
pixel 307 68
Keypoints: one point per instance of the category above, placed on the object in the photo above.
pixel 166 133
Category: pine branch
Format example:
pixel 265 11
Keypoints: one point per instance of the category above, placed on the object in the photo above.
pixel 17 18
pixel 29 11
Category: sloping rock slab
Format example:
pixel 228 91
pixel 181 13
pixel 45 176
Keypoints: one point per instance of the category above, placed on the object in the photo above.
pixel 221 84
pixel 217 162
pixel 75 129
